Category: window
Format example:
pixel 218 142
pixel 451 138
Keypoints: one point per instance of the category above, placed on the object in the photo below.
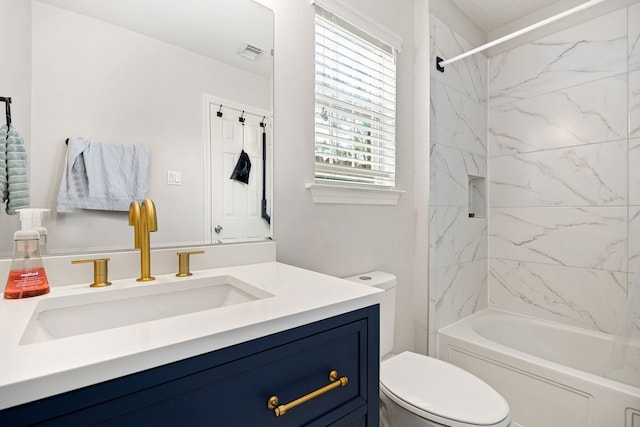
pixel 355 98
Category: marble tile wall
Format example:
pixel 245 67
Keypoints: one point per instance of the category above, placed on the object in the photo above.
pixel 564 173
pixel 458 244
pixel 578 55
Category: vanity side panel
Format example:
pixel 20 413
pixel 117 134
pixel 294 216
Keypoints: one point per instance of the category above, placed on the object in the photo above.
pixel 373 366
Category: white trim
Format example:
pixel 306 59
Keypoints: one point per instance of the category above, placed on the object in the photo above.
pixel 361 21
pixel 352 195
pixel 206 144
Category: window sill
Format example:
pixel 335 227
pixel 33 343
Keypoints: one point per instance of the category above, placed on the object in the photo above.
pixel 344 194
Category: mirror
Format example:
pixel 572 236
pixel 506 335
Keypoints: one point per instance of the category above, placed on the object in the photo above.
pixel 152 73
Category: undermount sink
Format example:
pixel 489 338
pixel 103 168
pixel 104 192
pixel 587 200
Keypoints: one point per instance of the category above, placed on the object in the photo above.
pixel 102 309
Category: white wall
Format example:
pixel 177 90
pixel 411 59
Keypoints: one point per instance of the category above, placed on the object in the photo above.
pixel 342 240
pixel 419 292
pixel 15 43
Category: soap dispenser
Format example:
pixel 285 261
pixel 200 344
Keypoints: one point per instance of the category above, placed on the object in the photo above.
pixel 27 277
pixel 31 219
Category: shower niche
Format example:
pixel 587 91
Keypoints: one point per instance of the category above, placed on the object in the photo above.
pixel 477 197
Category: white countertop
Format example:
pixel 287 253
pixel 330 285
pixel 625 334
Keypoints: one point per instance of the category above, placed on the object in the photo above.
pixel 33 371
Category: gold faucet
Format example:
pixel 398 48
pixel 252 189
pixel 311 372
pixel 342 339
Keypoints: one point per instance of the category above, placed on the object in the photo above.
pixel 144 220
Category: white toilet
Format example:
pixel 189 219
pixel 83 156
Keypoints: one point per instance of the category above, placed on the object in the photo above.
pixel 420 391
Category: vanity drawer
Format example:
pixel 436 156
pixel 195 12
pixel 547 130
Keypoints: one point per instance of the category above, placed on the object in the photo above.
pixel 231 387
pixel 236 394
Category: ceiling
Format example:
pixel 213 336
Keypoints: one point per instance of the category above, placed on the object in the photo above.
pixel 218 29
pixel 491 15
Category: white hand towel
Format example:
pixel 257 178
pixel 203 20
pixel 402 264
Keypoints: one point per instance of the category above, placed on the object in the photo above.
pixel 103 177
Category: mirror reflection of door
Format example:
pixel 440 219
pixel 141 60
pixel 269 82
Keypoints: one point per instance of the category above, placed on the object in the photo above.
pixel 236 207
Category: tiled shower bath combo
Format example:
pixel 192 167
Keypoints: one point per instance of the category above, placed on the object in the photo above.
pixel 554 127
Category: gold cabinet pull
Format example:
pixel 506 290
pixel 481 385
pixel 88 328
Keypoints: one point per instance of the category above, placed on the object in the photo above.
pixel 100 271
pixel 183 263
pixel 279 410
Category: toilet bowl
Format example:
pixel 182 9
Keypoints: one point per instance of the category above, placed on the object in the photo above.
pixel 421 391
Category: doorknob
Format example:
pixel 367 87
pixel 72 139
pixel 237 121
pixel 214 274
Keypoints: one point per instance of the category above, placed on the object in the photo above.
pixel 218 228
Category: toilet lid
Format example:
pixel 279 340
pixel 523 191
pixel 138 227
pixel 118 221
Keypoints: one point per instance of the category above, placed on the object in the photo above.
pixel 435 387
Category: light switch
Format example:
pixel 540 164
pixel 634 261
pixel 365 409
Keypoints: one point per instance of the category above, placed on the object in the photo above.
pixel 174 178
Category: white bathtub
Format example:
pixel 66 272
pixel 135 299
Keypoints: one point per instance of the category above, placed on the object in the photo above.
pixel 549 373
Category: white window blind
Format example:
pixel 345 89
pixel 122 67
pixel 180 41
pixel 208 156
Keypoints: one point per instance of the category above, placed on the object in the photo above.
pixel 355 98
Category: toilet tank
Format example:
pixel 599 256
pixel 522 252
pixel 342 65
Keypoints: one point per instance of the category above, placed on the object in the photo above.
pixel 387 282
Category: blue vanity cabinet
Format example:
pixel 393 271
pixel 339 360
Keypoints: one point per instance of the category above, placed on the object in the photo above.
pixel 232 386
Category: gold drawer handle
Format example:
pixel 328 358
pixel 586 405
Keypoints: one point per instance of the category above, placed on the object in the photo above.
pixel 336 382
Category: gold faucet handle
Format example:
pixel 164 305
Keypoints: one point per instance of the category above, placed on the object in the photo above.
pixel 183 263
pixel 100 271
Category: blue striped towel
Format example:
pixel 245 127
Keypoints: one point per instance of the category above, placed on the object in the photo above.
pixel 17 172
pixel 3 163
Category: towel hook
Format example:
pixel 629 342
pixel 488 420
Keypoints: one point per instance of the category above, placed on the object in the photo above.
pixel 241 119
pixel 243 130
pixel 219 113
pixel 7 108
pixel 262 123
